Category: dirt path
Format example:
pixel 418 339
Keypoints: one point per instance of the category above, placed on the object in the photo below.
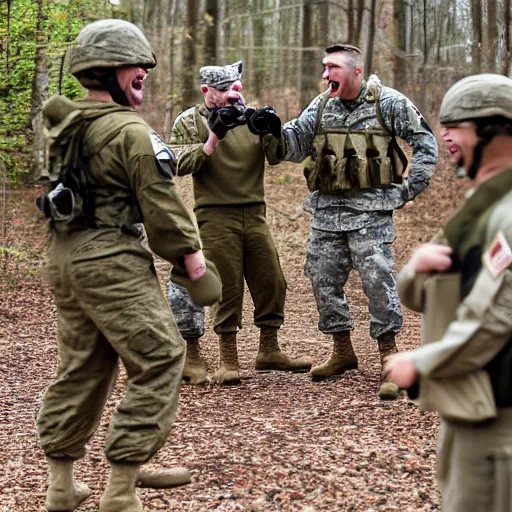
pixel 277 441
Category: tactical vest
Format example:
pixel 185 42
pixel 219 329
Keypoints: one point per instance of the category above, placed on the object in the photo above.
pixel 344 159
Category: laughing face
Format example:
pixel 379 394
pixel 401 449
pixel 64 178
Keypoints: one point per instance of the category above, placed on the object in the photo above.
pixel 460 141
pixel 131 79
pixel 344 78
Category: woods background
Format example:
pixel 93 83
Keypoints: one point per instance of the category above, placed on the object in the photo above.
pixel 419 47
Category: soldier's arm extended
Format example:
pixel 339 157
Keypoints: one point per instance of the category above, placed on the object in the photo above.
pixel 187 143
pixel 407 123
pixel 296 139
pixel 169 227
pixel 481 329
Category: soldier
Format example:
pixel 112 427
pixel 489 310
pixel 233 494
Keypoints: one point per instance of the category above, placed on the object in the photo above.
pixel 474 458
pixel 113 171
pixel 355 173
pixel 230 210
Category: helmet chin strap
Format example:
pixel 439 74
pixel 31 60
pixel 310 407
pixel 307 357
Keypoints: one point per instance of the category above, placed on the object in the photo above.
pixel 118 95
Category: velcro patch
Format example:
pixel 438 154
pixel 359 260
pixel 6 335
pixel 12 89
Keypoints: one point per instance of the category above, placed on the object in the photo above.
pixel 499 255
pixel 165 159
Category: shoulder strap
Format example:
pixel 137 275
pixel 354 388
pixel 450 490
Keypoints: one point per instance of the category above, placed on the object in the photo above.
pixel 321 107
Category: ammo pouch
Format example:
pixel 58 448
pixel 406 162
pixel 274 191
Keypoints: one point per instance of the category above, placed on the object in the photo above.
pixel 354 160
pixel 61 204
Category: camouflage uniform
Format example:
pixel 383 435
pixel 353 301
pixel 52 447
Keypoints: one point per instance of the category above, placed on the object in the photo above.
pixel 354 228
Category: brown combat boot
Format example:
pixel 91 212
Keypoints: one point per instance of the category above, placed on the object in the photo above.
pixel 163 478
pixel 120 495
pixel 343 358
pixel 388 390
pixel 271 358
pixel 195 371
pixel 63 493
pixel 229 371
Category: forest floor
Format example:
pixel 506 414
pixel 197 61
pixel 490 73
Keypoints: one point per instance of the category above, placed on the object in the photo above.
pixel 277 441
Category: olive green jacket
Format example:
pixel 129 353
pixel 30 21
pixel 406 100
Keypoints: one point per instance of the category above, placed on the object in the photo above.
pixel 233 175
pixel 128 181
pixel 483 323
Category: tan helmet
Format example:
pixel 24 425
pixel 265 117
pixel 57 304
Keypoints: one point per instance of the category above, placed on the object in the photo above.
pixel 110 44
pixel 476 97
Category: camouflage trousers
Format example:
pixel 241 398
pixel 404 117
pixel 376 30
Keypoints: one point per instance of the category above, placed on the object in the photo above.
pixel 239 242
pixel 110 307
pixel 330 258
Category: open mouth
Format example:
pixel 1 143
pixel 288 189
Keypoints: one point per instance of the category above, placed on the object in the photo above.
pixel 139 80
pixel 334 86
pixel 453 149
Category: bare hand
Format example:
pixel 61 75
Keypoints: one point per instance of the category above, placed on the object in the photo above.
pixel 211 144
pixel 195 265
pixel 399 369
pixel 432 258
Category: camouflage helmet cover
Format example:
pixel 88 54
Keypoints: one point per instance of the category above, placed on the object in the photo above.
pixel 218 76
pixel 110 44
pixel 476 97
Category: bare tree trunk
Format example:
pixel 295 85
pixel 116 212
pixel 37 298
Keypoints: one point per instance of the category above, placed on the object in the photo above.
pixel 476 51
pixel 368 59
pixel 309 87
pixel 506 67
pixel 400 67
pixel 360 17
pixel 39 93
pixel 189 87
pixel 212 28
pixel 350 12
pixel 492 36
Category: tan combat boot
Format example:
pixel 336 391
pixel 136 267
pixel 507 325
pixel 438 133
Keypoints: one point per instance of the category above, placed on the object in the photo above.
pixel 388 390
pixel 229 371
pixel 120 496
pixel 63 493
pixel 163 478
pixel 271 358
pixel 342 358
pixel 195 371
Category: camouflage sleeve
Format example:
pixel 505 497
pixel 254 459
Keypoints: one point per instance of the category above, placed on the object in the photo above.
pixel 297 135
pixel 187 143
pixel 406 121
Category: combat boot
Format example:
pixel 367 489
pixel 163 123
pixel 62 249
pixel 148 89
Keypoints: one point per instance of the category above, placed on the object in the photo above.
pixel 388 390
pixel 343 358
pixel 163 478
pixel 229 371
pixel 271 358
pixel 63 493
pixel 195 371
pixel 120 496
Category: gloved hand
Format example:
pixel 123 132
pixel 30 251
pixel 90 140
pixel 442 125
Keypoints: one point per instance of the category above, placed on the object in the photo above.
pixel 264 120
pixel 224 119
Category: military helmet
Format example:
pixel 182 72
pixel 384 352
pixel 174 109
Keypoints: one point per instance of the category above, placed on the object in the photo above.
pixel 110 44
pixel 477 97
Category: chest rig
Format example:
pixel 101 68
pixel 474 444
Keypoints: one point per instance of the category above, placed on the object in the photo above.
pixel 351 151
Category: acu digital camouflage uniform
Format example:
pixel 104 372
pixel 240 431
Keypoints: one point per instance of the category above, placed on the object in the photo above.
pixel 352 225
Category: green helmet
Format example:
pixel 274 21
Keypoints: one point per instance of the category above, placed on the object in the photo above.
pixel 477 97
pixel 110 44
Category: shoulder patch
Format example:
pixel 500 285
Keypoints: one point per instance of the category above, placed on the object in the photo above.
pixel 165 159
pixel 499 255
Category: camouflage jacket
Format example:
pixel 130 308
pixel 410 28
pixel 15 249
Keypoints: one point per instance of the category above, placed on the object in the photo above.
pixel 232 175
pixel 355 209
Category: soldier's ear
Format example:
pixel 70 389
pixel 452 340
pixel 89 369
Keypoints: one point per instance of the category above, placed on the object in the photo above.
pixel 358 71
pixel 204 89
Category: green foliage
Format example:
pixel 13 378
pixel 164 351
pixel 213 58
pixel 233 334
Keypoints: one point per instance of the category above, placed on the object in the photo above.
pixel 24 27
